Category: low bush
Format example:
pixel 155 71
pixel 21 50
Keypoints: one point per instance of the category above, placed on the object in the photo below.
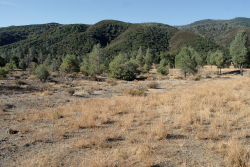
pixel 153 85
pixel 71 91
pixel 133 92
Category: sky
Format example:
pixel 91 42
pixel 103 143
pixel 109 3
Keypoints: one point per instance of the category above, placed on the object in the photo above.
pixel 171 12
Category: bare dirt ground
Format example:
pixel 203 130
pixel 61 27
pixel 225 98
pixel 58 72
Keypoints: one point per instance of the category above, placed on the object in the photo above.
pixel 155 120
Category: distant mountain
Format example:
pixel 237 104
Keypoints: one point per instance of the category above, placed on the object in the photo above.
pixel 114 36
pixel 220 31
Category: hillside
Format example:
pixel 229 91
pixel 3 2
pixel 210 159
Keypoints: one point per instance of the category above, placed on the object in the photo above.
pixel 114 36
pixel 220 31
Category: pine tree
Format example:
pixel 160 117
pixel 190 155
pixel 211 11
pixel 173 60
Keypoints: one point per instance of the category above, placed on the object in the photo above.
pixel 97 61
pixel 186 61
pixel 239 50
pixel 220 61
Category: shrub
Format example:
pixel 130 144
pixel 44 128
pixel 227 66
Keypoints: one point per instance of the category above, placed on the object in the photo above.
pixel 121 68
pixel 8 67
pixel 22 64
pixel 70 64
pixel 3 72
pixel 71 91
pixel 153 85
pixel 2 62
pixel 133 92
pixel 42 73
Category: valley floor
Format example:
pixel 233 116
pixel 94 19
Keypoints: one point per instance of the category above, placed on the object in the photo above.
pixel 200 120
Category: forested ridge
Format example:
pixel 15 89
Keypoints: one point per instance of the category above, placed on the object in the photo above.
pixel 97 49
pixel 220 31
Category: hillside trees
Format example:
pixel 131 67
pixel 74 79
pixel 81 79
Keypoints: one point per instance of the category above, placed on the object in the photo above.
pixel 239 50
pixel 70 64
pixel 185 61
pixel 97 61
pixel 121 68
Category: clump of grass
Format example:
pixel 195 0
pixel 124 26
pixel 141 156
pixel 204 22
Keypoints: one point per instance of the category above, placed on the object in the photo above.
pixel 112 83
pixel 71 91
pixel 196 78
pixel 89 90
pixel 133 92
pixel 32 77
pixel 153 85
pixel 178 77
pixel 162 77
pixel 56 115
pixel 208 76
pixel 150 78
pixel 236 154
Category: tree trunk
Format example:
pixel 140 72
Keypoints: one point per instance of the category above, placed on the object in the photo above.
pixel 185 74
pixel 220 71
pixel 241 69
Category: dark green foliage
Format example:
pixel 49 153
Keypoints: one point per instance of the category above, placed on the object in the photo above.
pixel 22 64
pixel 84 66
pixel 239 49
pixel 42 73
pixel 8 67
pixel 16 33
pixel 163 68
pixel 186 61
pixel 202 46
pixel 15 62
pixel 3 72
pixel 121 68
pixel 218 30
pixel 2 62
pixel 32 67
pixel 70 64
pixel 97 61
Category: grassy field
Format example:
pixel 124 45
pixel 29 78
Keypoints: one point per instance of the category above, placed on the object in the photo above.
pixel 201 120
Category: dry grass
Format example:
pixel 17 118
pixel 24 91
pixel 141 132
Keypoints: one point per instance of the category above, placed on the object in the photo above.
pixel 153 85
pixel 138 130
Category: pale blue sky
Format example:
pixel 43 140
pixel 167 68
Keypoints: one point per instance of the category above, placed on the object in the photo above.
pixel 172 12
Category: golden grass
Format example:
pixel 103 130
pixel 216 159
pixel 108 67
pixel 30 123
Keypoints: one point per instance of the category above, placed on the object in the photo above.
pixel 132 130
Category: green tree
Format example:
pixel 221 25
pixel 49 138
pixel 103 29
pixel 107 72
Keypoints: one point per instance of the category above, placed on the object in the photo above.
pixel 186 61
pixel 22 64
pixel 149 58
pixel 163 68
pixel 2 62
pixel 3 72
pixel 139 58
pixel 121 68
pixel 15 62
pixel 97 61
pixel 84 66
pixel 239 50
pixel 220 61
pixel 70 64
pixel 42 73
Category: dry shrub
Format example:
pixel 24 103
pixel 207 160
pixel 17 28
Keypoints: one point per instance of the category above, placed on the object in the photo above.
pixel 178 77
pixel 89 90
pixel 236 154
pixel 150 78
pixel 32 77
pixel 159 130
pixel 153 85
pixel 196 78
pixel 161 77
pixel 25 129
pixel 71 91
pixel 2 107
pixel 112 82
pixel 208 76
pixel 133 92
